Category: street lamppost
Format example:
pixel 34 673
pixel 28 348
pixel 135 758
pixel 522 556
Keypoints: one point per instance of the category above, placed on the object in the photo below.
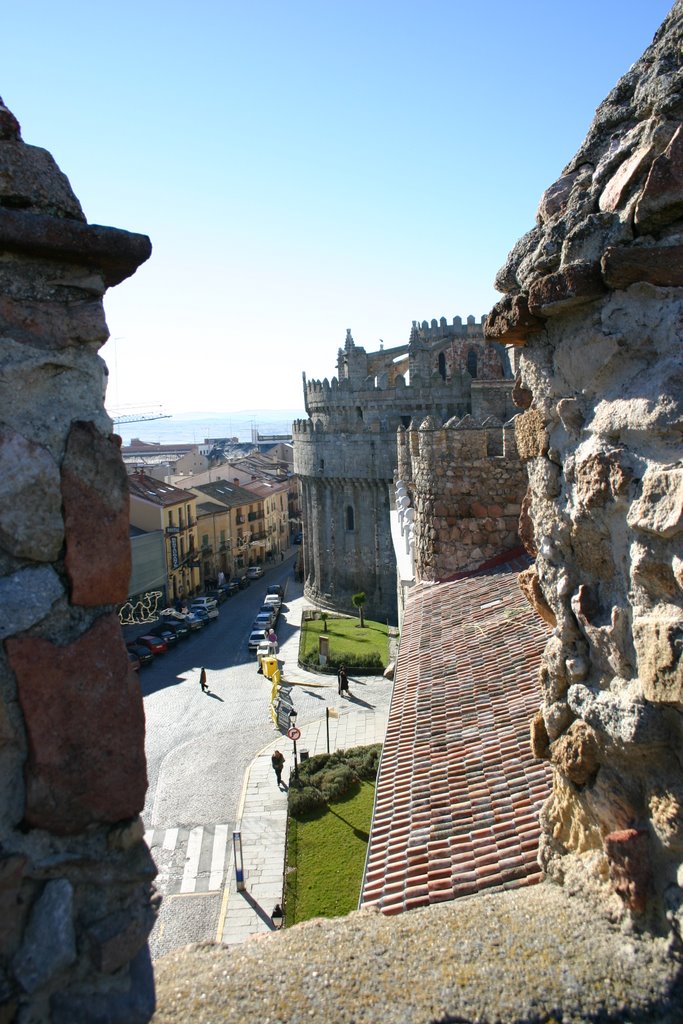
pixel 292 725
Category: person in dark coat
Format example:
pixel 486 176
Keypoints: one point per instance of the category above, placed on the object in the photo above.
pixel 343 680
pixel 202 681
pixel 278 762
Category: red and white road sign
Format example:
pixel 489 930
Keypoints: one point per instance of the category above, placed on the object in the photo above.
pixel 294 733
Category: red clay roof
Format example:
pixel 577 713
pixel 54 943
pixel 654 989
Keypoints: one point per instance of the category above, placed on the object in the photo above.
pixel 458 792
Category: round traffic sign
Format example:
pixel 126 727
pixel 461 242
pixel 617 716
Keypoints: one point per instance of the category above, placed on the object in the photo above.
pixel 294 733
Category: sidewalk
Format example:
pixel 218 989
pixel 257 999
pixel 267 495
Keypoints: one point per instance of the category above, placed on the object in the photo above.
pixel 262 814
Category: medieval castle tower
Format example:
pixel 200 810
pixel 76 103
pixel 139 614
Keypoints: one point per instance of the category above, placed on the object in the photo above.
pixel 346 456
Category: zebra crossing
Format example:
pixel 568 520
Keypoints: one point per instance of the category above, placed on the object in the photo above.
pixel 190 860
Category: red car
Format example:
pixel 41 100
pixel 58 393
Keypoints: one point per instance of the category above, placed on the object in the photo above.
pixel 153 643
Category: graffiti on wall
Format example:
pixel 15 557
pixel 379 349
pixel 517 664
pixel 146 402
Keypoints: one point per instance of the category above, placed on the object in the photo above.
pixel 141 608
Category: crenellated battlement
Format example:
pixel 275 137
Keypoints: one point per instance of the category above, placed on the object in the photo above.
pixel 457 329
pixel 463 438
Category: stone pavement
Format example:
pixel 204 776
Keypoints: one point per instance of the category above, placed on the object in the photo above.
pixel 262 813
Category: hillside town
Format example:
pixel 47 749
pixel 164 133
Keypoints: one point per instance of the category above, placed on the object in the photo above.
pixel 499 499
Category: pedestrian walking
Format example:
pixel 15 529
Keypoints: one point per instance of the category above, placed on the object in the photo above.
pixel 202 681
pixel 343 681
pixel 278 762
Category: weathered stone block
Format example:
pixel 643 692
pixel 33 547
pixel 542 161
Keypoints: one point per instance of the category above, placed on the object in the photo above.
pixel 577 753
pixel 659 649
pixel 572 286
pixel 26 597
pixel 530 434
pixel 555 199
pixel 49 944
pixel 530 586
pixel 600 477
pixel 660 265
pixel 629 866
pixel 133 1004
pixel 115 941
pixel 659 510
pixel 30 501
pixel 30 177
pixel 13 906
pixel 85 726
pixel 661 201
pixel 96 518
pixel 540 741
pixel 623 179
pixel 511 322
pixel 666 813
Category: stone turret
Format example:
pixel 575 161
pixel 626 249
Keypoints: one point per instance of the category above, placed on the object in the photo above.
pixel 594 299
pixel 346 456
pixel 75 873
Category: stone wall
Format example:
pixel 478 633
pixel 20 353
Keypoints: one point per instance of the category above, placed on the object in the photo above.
pixel 467 483
pixel 75 874
pixel 594 295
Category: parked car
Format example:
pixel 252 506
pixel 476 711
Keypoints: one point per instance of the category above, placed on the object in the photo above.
pixel 201 614
pixel 220 595
pixel 242 580
pixel 204 602
pixel 203 605
pixel 256 637
pixel 298 538
pixel 134 661
pixel 154 643
pixel 143 654
pixel 196 621
pixel 231 587
pixel 273 599
pixel 165 633
pixel 276 589
pixel 254 572
pixel 274 612
pixel 264 620
pixel 178 626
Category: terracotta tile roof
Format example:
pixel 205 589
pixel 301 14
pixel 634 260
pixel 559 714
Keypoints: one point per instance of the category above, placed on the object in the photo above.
pixel 156 491
pixel 458 793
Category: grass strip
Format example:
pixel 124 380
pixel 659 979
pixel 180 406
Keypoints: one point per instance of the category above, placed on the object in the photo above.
pixel 326 857
pixel 347 640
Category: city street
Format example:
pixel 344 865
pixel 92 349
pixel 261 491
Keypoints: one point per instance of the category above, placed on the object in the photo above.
pixel 198 748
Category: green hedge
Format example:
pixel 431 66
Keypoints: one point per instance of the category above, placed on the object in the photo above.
pixel 326 778
pixel 370 662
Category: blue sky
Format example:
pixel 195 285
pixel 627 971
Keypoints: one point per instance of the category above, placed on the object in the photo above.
pixel 303 167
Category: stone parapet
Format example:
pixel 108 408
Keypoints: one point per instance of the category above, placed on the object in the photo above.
pixel 594 294
pixel 75 874
pixel 467 484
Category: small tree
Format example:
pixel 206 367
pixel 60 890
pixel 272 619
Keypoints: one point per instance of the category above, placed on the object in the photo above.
pixel 358 600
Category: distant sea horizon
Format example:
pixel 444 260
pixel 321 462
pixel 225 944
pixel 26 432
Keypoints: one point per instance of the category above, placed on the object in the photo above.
pixel 194 427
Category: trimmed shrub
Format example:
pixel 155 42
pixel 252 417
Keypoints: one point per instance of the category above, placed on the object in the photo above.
pixel 364 761
pixel 336 782
pixel 305 801
pixel 325 778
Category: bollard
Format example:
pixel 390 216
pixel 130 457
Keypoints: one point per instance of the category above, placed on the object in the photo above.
pixel 239 862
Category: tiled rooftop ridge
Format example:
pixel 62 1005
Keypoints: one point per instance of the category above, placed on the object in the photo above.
pixel 458 792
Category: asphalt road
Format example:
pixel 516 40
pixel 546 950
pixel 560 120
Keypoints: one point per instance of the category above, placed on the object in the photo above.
pixel 198 748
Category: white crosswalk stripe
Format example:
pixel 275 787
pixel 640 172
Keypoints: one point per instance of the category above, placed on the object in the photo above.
pixel 190 860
